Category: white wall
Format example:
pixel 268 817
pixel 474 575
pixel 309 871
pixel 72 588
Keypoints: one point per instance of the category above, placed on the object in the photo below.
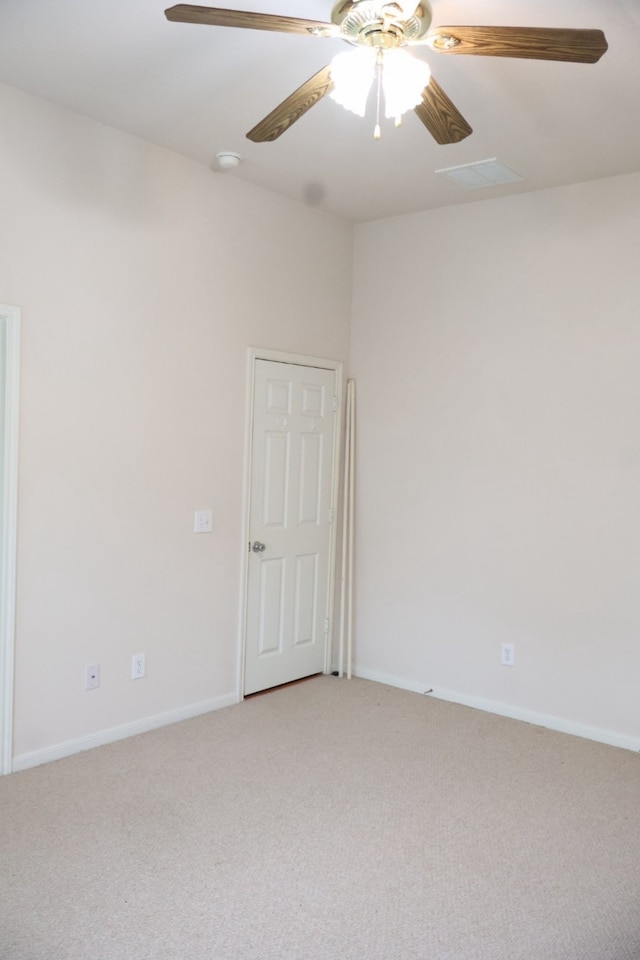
pixel 142 279
pixel 497 352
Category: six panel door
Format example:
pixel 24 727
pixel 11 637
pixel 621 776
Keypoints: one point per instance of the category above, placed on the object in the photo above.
pixel 289 523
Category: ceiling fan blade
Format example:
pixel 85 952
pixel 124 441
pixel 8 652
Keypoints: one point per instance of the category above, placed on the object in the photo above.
pixel 291 109
pixel 532 43
pixel 442 119
pixel 214 16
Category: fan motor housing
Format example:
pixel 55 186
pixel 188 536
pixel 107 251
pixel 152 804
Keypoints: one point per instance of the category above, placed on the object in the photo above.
pixel 380 23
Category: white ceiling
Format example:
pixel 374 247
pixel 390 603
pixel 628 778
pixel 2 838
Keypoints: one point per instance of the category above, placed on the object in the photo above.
pixel 198 89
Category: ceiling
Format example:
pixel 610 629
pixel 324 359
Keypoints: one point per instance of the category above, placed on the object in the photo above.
pixel 198 89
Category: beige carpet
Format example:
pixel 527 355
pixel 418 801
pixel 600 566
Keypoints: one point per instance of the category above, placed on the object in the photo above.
pixel 332 819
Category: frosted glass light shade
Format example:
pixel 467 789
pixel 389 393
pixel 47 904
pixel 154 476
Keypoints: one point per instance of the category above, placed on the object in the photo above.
pixel 403 79
pixel 352 74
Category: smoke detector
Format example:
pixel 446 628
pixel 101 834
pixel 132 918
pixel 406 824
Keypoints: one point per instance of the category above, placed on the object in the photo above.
pixel 228 160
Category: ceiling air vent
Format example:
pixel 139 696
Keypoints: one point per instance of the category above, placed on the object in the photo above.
pixel 483 173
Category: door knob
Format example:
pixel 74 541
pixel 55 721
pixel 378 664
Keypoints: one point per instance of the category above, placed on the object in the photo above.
pixel 258 547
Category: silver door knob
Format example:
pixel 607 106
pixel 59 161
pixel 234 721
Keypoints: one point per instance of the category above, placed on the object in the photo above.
pixel 258 547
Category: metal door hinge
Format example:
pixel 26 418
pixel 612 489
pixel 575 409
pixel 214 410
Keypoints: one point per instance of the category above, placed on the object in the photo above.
pixel 327 624
pixel 334 404
pixel 331 515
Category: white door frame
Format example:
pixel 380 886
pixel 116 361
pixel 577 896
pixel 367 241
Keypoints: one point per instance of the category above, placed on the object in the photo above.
pixel 8 529
pixel 253 354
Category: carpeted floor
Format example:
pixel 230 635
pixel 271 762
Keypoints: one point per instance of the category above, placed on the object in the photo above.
pixel 332 819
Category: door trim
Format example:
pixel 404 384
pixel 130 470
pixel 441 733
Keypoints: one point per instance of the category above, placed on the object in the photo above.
pixel 9 384
pixel 300 360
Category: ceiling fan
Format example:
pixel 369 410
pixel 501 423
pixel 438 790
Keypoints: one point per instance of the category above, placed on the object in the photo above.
pixel 380 31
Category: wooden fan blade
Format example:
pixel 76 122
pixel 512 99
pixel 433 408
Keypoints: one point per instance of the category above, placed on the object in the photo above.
pixel 442 119
pixel 187 13
pixel 532 43
pixel 291 109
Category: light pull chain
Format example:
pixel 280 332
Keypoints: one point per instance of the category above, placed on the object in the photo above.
pixel 376 132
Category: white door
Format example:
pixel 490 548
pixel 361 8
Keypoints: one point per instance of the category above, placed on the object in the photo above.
pixel 290 523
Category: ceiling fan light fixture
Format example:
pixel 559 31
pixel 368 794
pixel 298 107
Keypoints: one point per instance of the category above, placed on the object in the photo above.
pixel 403 79
pixel 352 74
pixel 384 26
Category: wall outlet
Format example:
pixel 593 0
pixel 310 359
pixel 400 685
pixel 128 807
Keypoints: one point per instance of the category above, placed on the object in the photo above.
pixel 92 676
pixel 137 666
pixel 508 655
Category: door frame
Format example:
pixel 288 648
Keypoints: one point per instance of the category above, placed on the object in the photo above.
pixel 9 384
pixel 300 360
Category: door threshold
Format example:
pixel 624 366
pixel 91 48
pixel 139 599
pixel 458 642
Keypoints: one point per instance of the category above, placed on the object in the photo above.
pixel 282 686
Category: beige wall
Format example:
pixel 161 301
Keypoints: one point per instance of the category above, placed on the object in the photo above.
pixel 499 453
pixel 142 279
pixel 496 349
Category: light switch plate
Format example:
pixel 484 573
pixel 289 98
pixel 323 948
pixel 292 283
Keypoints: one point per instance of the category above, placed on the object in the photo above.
pixel 203 521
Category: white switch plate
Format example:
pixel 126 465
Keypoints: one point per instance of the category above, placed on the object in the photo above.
pixel 203 521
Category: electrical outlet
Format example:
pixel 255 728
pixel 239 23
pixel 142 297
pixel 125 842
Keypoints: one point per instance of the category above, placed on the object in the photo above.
pixel 508 655
pixel 92 676
pixel 137 666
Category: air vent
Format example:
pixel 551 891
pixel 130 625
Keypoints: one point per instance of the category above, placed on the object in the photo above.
pixel 483 173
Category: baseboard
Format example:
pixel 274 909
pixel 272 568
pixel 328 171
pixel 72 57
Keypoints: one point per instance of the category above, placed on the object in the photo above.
pixel 66 749
pixel 560 724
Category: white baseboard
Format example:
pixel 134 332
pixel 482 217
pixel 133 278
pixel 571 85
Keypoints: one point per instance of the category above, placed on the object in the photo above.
pixel 59 750
pixel 561 724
